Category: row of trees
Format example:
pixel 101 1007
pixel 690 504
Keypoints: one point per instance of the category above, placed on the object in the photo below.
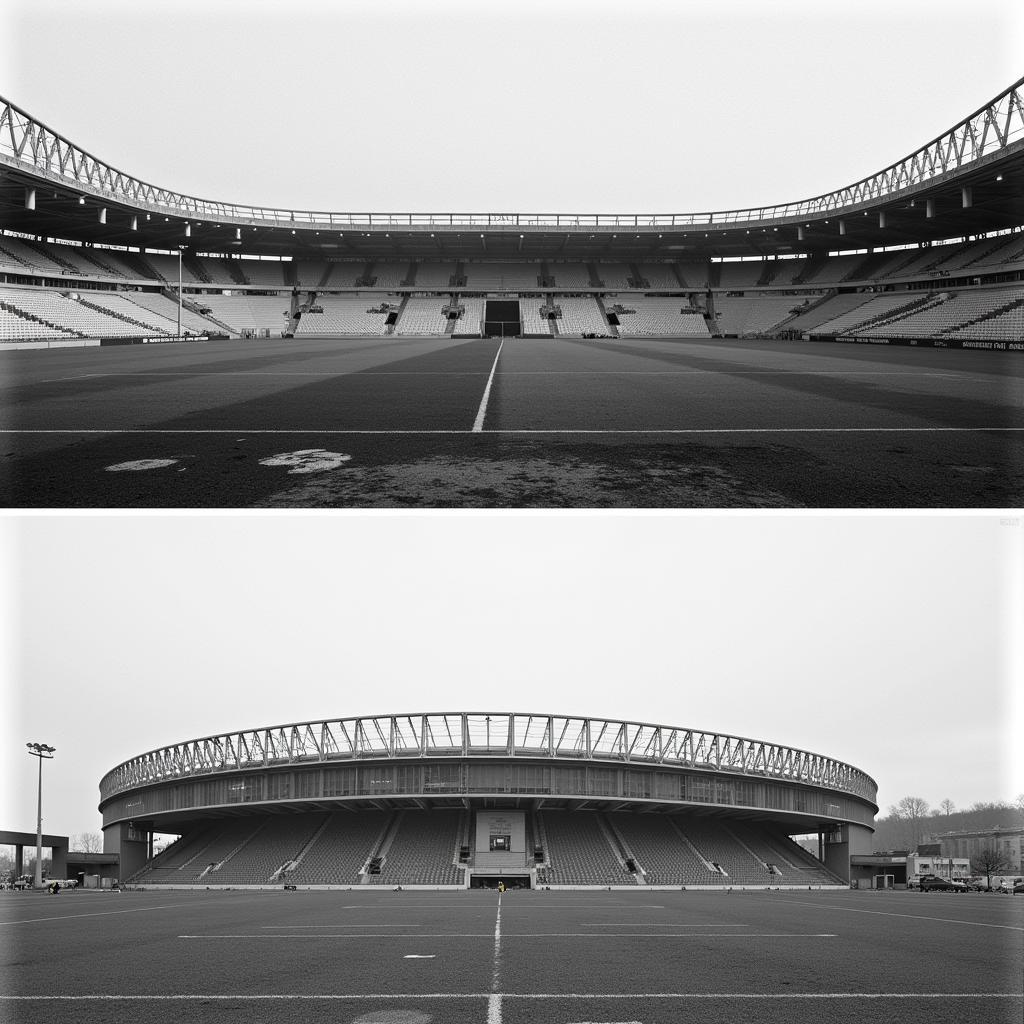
pixel 909 820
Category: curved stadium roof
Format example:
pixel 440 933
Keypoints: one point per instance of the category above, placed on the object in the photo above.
pixel 969 180
pixel 484 735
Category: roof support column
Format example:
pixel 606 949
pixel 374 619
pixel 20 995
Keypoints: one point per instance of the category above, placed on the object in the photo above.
pixel 929 209
pixel 30 198
pixel 967 197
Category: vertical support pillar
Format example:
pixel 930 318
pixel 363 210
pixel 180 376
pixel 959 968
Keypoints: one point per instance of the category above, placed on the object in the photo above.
pixel 842 227
pixel 103 215
pixel 967 197
pixel 929 209
pixel 30 198
pixel 881 218
pixel 799 234
pixel 135 224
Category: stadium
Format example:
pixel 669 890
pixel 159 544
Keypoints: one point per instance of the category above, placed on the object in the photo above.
pixel 515 359
pixel 926 250
pixel 468 800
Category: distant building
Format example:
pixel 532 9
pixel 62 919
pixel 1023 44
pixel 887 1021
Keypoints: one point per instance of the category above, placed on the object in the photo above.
pixel 970 842
pixel 897 869
pixel 929 861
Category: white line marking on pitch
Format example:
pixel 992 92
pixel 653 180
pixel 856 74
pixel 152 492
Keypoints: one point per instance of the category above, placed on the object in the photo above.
pixel 722 373
pixel 141 465
pixel 108 913
pixel 384 996
pixel 916 917
pixel 280 373
pixel 533 935
pixel 496 969
pixel 670 935
pixel 419 956
pixel 764 995
pixel 342 926
pixel 559 431
pixel 350 935
pixel 494 999
pixel 478 423
pixel 81 376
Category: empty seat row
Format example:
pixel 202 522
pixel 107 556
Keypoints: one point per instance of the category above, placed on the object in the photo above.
pixel 346 314
pixel 652 315
pixel 581 315
pixel 423 315
pixel 424 850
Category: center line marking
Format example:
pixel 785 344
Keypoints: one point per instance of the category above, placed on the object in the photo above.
pixel 478 423
pixel 494 1000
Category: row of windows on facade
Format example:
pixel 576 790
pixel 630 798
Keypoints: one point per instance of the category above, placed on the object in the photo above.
pixel 526 779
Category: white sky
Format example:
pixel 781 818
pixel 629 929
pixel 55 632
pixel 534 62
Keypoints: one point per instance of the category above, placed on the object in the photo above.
pixel 889 642
pixel 830 633
pixel 525 106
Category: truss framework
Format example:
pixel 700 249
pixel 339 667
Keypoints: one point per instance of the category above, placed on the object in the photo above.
pixel 472 734
pixel 29 144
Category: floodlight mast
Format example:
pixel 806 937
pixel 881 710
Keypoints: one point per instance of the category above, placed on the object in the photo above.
pixel 40 750
pixel 181 250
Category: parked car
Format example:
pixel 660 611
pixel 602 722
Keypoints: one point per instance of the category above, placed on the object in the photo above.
pixel 1010 884
pixel 933 884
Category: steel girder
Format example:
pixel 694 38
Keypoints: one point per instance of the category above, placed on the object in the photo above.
pixel 479 734
pixel 32 146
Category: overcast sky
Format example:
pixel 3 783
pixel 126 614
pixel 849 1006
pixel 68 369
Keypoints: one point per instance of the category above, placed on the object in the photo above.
pixel 885 642
pixel 888 642
pixel 525 106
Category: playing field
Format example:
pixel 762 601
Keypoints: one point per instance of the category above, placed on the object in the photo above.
pixel 414 957
pixel 420 422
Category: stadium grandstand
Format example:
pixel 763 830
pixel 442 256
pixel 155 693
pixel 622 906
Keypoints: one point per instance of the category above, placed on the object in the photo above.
pixel 467 800
pixel 928 250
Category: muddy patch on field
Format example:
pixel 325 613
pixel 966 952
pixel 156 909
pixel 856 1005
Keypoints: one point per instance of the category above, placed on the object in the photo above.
pixel 534 482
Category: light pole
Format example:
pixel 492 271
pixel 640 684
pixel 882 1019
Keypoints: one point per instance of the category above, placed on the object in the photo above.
pixel 181 249
pixel 40 750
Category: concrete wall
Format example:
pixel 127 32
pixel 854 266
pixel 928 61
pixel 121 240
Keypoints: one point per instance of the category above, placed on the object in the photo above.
pixel 500 823
pixel 24 844
pixel 130 844
pixel 851 841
